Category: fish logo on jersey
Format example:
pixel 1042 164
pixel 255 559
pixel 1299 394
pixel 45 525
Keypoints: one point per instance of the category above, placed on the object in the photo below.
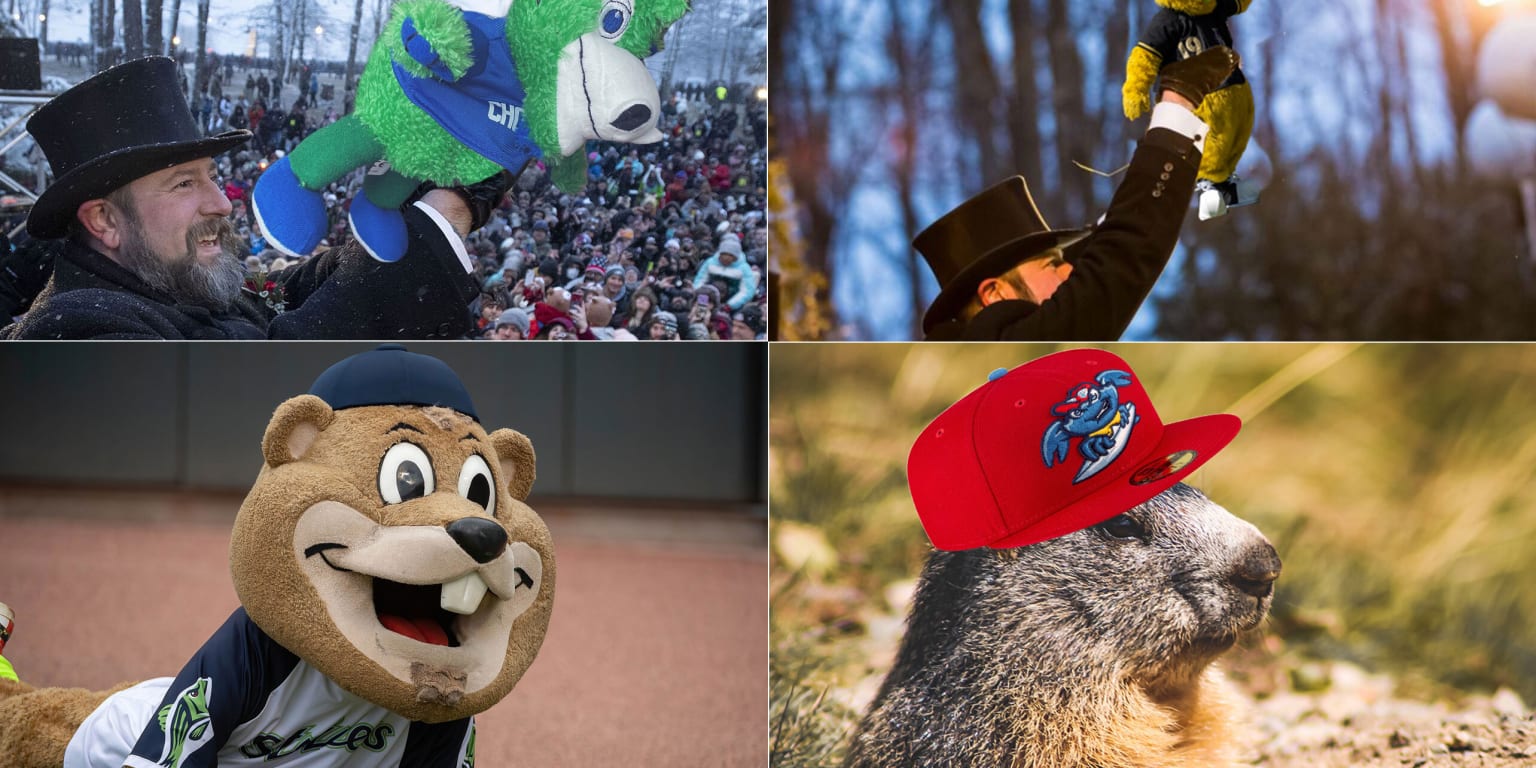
pixel 1093 415
pixel 187 724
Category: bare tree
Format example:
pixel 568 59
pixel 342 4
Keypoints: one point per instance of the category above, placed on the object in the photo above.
pixel 154 41
pixel 914 73
pixel 1460 28
pixel 1023 114
pixel 357 23
pixel 807 108
pixel 1073 138
pixel 133 30
pixel 977 90
pixel 200 72
pixel 175 23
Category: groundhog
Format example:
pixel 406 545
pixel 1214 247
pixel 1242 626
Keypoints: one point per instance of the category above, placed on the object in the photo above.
pixel 1090 649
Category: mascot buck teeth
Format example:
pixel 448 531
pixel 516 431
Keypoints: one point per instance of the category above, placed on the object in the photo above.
pixel 393 584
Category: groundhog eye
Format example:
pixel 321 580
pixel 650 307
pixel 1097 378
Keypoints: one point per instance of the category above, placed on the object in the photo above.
pixel 405 473
pixel 475 483
pixel 1122 528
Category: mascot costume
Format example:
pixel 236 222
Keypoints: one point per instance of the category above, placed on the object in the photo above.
pixel 392 582
pixel 1179 30
pixel 451 95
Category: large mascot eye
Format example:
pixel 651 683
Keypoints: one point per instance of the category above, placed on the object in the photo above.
pixel 475 483
pixel 614 18
pixel 405 473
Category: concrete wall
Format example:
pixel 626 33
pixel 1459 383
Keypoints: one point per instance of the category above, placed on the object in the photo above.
pixel 666 422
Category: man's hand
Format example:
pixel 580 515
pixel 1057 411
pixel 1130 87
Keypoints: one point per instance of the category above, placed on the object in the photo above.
pixel 468 208
pixel 1196 76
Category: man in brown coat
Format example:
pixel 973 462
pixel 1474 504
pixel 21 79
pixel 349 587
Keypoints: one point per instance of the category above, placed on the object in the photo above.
pixel 1004 274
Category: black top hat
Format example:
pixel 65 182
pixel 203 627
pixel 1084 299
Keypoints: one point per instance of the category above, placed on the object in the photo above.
pixel 390 375
pixel 984 237
pixel 122 124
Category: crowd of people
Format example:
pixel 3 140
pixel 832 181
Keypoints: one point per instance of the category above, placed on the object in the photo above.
pixel 665 241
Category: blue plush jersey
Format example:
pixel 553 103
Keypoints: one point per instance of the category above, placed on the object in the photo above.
pixel 244 700
pixel 484 108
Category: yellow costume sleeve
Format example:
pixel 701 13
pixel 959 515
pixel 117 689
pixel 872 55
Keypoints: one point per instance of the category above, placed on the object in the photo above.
pixel 6 671
pixel 1140 72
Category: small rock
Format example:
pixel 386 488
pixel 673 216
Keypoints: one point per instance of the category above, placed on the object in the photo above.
pixel 1309 678
pixel 1506 702
pixel 1398 740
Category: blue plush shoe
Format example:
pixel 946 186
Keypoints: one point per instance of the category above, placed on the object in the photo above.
pixel 381 232
pixel 292 218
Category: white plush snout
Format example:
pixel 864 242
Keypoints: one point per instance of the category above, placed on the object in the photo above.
pixel 604 93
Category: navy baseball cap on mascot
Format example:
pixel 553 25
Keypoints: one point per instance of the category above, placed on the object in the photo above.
pixel 393 584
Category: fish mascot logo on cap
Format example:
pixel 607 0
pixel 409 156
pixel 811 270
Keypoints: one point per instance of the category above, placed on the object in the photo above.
pixel 1093 414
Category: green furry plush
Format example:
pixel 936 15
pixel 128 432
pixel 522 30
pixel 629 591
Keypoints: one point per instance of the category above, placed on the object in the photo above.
pixel 536 34
pixel 451 96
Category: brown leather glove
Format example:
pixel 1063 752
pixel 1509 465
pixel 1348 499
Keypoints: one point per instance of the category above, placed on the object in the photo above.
pixel 1198 75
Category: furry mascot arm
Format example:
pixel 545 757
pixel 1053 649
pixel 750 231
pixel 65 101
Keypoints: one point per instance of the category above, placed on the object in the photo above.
pixel 433 40
pixel 1140 72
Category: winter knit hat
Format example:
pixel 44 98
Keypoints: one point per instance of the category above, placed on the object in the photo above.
pixel 515 317
pixel 730 244
pixel 667 319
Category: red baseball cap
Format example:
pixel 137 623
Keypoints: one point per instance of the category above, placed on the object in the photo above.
pixel 1053 446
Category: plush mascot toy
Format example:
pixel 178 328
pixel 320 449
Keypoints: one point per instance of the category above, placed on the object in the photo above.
pixel 392 582
pixel 1179 30
pixel 452 95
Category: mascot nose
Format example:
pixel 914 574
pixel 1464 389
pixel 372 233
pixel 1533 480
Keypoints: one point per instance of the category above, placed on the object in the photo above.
pixel 1257 572
pixel 633 118
pixel 482 538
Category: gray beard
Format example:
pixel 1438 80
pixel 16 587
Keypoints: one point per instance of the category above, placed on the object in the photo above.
pixel 181 276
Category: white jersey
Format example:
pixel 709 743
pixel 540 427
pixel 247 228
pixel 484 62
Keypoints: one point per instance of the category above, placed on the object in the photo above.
pixel 245 701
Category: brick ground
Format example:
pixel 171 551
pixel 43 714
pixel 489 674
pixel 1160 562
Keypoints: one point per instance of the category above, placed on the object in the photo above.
pixel 656 654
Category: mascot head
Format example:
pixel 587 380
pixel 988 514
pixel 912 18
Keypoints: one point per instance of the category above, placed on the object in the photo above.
pixel 386 541
pixel 580 61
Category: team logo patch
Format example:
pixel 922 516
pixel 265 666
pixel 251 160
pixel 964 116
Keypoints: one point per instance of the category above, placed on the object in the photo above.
pixel 1093 415
pixel 187 723
pixel 1158 469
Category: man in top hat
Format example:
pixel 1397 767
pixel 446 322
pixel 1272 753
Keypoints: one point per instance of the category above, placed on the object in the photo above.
pixel 1004 273
pixel 147 249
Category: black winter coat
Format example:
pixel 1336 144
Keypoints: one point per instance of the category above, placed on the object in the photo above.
pixel 1114 268
pixel 342 294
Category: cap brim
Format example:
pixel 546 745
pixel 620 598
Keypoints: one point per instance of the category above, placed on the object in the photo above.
pixel 56 207
pixel 993 263
pixel 1204 435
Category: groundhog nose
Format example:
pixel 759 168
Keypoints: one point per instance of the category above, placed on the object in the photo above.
pixel 482 538
pixel 633 118
pixel 1255 574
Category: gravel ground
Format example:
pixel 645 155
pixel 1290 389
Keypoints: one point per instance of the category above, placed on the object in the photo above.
pixel 1357 722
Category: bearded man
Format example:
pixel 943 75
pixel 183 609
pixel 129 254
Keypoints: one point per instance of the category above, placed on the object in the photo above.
pixel 148 250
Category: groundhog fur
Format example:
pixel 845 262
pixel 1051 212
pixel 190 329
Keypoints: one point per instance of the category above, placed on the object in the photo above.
pixel 1091 649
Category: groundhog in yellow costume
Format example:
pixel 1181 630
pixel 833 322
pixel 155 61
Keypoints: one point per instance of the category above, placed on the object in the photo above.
pixel 393 584
pixel 1181 29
